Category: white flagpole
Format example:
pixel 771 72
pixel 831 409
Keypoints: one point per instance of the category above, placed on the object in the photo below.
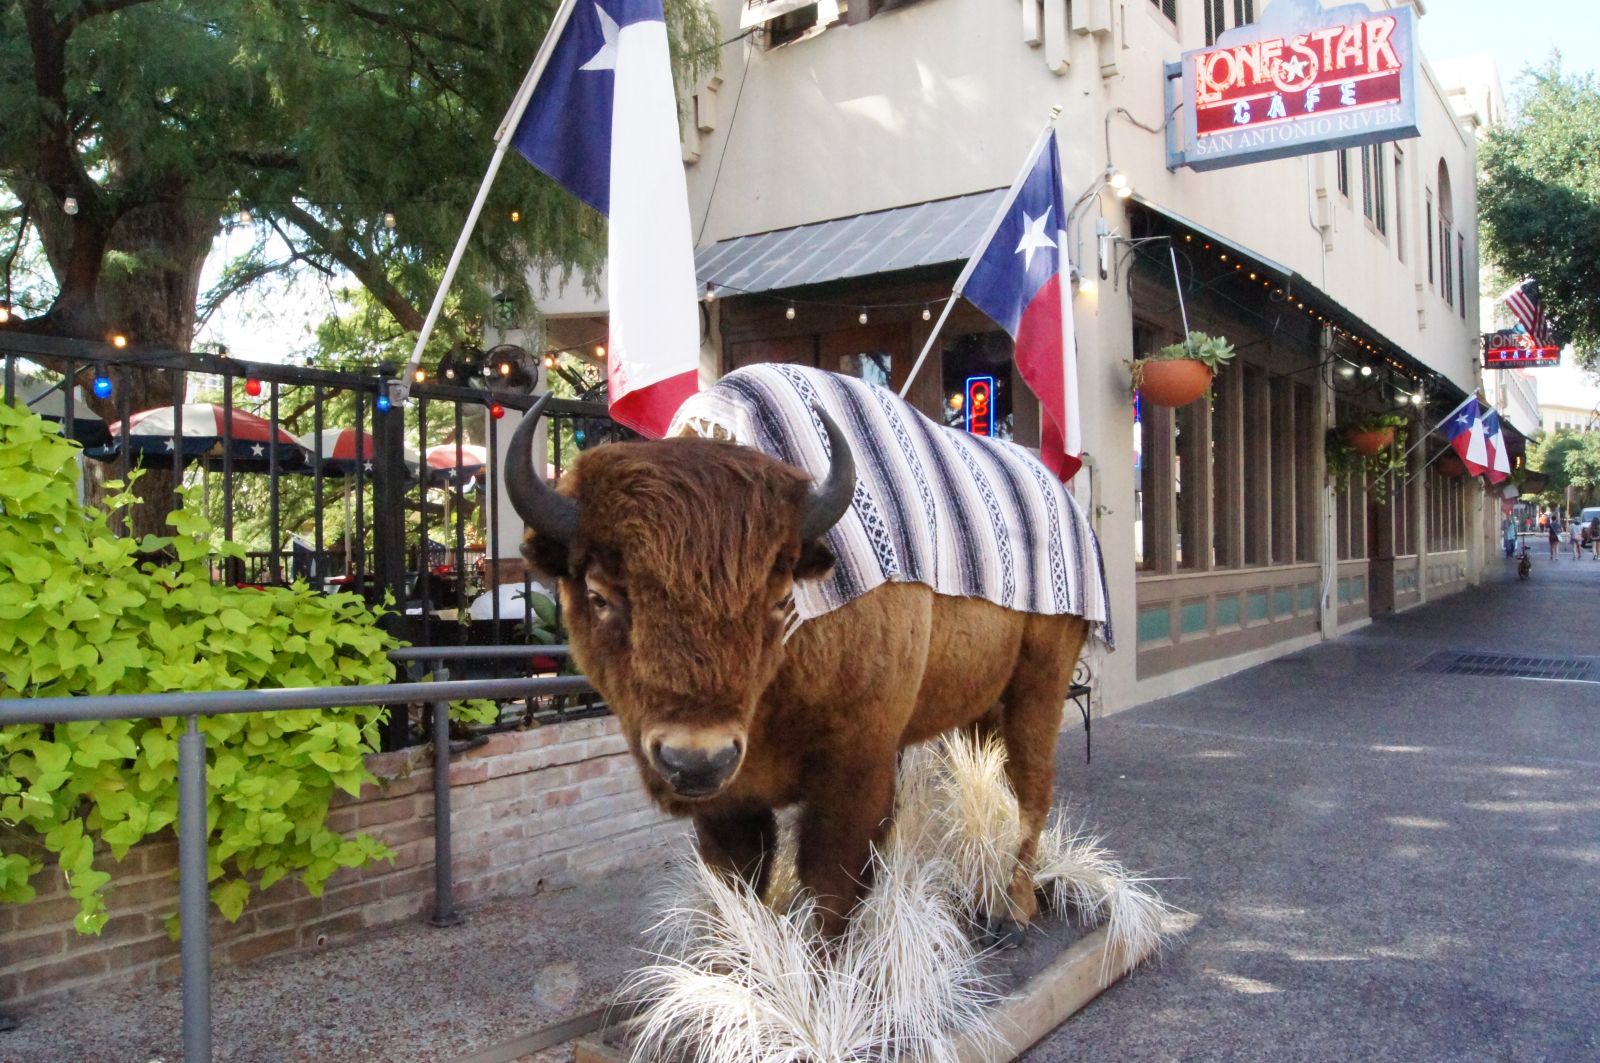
pixel 502 136
pixel 983 245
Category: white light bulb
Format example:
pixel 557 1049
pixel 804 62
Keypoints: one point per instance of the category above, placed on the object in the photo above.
pixel 927 315
pixel 70 204
pixel 789 313
pixel 862 317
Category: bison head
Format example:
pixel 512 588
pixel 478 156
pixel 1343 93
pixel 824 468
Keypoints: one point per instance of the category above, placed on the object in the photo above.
pixel 676 561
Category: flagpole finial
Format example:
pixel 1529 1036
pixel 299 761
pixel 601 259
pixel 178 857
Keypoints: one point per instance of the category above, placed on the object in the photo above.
pixel 1055 112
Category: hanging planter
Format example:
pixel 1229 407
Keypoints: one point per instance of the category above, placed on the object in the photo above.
pixel 1349 461
pixel 1369 441
pixel 1180 373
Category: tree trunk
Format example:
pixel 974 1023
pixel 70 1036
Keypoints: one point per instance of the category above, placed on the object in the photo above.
pixel 153 302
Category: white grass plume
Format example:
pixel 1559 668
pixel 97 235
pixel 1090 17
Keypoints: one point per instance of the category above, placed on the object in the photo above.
pixel 736 980
pixel 958 804
pixel 1079 874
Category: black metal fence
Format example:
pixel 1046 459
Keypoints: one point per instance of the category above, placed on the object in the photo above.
pixel 329 477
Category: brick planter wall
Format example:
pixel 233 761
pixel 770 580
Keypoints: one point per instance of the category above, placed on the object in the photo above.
pixel 530 809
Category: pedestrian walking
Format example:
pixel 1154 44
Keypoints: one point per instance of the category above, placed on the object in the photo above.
pixel 1577 546
pixel 1553 528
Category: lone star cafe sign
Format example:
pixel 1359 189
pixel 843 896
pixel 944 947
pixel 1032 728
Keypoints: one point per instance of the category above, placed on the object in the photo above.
pixel 1301 80
pixel 1513 348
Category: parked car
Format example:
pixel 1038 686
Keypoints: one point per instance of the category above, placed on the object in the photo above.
pixel 1584 519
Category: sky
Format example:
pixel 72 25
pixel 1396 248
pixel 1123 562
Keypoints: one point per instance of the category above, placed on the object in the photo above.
pixel 1518 34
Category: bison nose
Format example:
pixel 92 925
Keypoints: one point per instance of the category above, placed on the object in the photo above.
pixel 694 772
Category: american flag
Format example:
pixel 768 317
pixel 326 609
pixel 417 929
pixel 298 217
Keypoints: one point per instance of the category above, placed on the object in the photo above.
pixel 1523 299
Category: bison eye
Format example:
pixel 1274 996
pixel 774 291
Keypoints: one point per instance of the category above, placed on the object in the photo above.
pixel 597 602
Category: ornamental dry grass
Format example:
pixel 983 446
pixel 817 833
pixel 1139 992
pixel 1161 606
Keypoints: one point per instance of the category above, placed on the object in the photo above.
pixel 738 980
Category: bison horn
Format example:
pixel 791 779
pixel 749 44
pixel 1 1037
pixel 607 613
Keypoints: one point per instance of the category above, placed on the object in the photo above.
pixel 552 515
pixel 830 499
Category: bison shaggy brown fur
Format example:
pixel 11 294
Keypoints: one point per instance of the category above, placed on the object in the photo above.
pixel 675 570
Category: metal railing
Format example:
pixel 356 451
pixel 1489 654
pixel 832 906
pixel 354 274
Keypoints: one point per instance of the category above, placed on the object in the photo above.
pixel 193 832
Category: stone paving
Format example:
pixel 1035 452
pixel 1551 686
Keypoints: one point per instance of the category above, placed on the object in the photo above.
pixel 1383 863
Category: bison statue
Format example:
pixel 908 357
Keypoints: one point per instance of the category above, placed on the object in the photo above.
pixel 767 638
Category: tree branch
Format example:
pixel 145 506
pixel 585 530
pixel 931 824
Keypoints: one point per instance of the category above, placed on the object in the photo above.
pixel 93 9
pixel 367 272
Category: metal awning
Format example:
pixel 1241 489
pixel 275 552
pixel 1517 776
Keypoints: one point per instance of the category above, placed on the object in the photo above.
pixel 923 234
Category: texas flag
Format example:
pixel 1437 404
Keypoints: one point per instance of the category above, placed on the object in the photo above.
pixel 603 122
pixel 1494 438
pixel 1019 277
pixel 1463 426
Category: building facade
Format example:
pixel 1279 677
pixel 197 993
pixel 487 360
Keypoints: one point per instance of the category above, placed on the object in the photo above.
pixel 845 161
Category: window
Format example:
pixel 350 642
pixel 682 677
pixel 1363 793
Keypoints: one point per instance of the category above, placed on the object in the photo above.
pixel 1447 282
pixel 1461 272
pixel 1399 203
pixel 1215 22
pixel 1366 181
pixel 1228 484
pixel 1341 167
pixel 1427 231
pixel 1372 186
pixel 1169 8
pixel 1244 12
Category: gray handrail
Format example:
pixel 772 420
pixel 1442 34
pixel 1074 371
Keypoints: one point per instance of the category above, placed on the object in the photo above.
pixel 193 833
pixel 477 653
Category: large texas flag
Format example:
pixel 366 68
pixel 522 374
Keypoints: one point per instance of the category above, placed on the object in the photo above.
pixel 603 122
pixel 1463 426
pixel 1019 277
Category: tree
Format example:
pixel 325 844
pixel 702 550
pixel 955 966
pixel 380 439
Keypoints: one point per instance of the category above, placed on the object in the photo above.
pixel 1539 200
pixel 353 132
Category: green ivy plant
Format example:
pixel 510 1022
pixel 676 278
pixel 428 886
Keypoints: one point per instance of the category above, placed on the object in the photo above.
pixel 84 612
pixel 1345 463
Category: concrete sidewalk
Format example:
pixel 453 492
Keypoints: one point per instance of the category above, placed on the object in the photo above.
pixel 1384 863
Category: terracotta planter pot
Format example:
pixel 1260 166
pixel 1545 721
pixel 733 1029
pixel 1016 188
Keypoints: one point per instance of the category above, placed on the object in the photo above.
pixel 1452 465
pixel 1369 442
pixel 1172 381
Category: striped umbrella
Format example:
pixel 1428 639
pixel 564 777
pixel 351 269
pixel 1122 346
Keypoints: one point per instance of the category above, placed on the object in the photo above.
pixel 343 449
pixel 207 437
pixel 453 463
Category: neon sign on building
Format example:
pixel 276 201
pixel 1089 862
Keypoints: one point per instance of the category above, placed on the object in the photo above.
pixel 1301 80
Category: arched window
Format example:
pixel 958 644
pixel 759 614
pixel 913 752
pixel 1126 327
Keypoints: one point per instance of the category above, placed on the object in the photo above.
pixel 1446 224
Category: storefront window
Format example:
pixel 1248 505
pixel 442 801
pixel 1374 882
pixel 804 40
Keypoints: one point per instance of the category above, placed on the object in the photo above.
pixel 978 355
pixel 871 366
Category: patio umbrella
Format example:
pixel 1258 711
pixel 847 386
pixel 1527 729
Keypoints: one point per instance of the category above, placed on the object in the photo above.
pixel 252 441
pixel 341 449
pixel 453 463
pixel 50 402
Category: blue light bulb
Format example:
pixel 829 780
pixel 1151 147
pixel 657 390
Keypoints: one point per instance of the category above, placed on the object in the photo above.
pixel 383 404
pixel 102 386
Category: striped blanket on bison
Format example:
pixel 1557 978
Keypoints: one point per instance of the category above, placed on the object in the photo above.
pixel 966 515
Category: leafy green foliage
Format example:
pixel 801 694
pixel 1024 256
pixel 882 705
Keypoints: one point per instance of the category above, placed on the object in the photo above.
pixel 1539 200
pixel 1376 472
pixel 82 613
pixel 1568 460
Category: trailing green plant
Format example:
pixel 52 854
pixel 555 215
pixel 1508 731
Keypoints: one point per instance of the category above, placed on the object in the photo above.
pixel 85 612
pixel 1214 351
pixel 1346 464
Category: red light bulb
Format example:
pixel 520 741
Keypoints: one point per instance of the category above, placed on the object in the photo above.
pixel 252 387
pixel 497 411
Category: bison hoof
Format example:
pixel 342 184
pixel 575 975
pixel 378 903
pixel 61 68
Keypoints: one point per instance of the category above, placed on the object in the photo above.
pixel 999 933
